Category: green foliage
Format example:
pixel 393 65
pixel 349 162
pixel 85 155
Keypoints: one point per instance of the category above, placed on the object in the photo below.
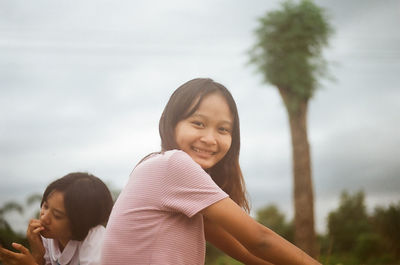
pixel 347 222
pixel 339 259
pixel 10 206
pixel 386 223
pixel 212 254
pixel 7 235
pixel 33 199
pixel 5 228
pixel 289 45
pixel 367 246
pixel 226 260
pixel 354 237
pixel 271 217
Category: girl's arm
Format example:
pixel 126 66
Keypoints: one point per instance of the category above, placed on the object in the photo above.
pixel 258 239
pixel 228 244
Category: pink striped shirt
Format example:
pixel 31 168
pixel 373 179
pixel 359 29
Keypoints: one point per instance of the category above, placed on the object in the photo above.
pixel 156 219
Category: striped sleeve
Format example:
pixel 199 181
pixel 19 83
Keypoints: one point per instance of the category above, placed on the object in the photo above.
pixel 187 188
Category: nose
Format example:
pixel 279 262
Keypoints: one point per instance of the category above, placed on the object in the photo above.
pixel 209 137
pixel 44 216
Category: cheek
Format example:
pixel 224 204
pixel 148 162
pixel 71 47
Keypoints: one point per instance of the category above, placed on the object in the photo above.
pixel 228 143
pixel 178 141
pixel 178 136
pixel 182 137
pixel 65 228
pixel 62 227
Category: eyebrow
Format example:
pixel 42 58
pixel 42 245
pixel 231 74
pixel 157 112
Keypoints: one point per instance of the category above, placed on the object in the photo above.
pixel 205 117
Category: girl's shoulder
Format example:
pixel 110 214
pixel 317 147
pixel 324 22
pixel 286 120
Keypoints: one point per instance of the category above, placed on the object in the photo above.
pixel 178 157
pixel 168 160
pixel 175 154
pixel 170 156
pixel 90 247
pixel 96 232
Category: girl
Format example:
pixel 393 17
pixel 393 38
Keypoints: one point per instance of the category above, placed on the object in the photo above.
pixel 70 229
pixel 191 191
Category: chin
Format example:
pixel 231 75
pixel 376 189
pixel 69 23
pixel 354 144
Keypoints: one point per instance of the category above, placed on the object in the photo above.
pixel 205 165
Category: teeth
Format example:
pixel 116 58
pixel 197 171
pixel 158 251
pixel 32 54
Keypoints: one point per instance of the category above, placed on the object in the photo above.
pixel 202 151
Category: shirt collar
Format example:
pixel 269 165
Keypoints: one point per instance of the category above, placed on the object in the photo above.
pixel 63 258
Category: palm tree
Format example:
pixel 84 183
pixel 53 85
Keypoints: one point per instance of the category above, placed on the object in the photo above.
pixel 7 234
pixel 288 54
pixel 34 199
pixel 8 207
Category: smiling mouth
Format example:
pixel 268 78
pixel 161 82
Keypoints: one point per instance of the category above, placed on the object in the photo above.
pixel 202 151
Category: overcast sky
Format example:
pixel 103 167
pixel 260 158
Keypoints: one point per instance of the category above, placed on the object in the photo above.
pixel 83 84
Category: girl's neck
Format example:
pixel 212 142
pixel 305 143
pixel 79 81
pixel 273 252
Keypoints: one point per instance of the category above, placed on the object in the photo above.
pixel 62 243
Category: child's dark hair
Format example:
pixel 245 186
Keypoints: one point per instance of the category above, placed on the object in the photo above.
pixel 87 201
pixel 184 102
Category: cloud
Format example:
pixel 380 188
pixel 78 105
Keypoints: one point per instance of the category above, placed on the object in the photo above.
pixel 82 86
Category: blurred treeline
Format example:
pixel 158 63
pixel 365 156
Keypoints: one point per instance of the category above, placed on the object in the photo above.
pixel 353 236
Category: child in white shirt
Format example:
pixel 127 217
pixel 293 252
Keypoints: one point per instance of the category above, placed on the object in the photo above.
pixel 70 229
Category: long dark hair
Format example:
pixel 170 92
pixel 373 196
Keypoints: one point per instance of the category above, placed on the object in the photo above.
pixel 183 103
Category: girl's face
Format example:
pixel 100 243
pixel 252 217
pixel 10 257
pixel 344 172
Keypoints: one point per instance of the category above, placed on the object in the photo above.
pixel 54 219
pixel 206 134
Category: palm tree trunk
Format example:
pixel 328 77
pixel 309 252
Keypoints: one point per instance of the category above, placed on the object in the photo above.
pixel 303 188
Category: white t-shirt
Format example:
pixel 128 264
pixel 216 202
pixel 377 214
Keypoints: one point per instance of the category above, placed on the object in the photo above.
pixel 86 252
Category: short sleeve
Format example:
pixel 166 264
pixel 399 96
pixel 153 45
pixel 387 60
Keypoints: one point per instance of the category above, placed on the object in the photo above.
pixel 187 188
pixel 90 250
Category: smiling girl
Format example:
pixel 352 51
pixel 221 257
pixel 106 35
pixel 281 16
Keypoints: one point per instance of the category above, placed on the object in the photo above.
pixel 70 229
pixel 192 191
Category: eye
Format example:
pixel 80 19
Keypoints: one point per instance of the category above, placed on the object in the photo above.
pixel 58 217
pixel 224 130
pixel 198 124
pixel 44 208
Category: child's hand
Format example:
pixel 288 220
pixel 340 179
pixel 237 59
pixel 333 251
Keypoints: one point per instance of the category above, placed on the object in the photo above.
pixel 35 241
pixel 14 258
